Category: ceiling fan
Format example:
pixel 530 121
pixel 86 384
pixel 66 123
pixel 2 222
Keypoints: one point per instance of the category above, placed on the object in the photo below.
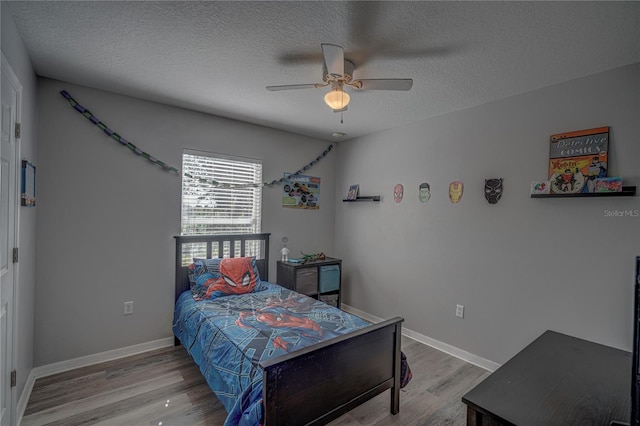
pixel 337 72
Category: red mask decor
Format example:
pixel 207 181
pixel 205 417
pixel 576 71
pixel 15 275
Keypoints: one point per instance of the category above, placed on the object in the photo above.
pixel 455 191
pixel 398 193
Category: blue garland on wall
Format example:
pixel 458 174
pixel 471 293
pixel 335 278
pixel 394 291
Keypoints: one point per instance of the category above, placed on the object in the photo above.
pixel 115 136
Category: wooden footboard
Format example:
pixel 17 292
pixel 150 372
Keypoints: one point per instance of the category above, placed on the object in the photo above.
pixel 320 383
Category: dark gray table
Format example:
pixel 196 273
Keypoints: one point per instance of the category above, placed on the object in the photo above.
pixel 556 380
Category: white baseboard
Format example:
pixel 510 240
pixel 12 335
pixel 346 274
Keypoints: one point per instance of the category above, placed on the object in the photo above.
pixel 24 398
pixel 441 346
pixel 361 314
pixel 59 367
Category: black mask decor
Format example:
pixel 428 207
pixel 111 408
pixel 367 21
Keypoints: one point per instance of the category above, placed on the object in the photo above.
pixel 492 190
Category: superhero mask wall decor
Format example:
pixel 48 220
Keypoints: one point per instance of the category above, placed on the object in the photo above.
pixel 455 191
pixel 398 193
pixel 493 190
pixel 424 192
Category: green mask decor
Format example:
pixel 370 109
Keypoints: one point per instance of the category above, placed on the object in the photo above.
pixel 424 192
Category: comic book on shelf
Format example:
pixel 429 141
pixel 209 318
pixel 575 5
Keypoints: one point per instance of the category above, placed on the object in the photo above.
pixel 577 159
pixel 609 184
pixel 354 190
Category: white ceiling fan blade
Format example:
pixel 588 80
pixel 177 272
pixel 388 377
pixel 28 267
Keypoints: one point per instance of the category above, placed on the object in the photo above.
pixel 333 59
pixel 294 86
pixel 384 84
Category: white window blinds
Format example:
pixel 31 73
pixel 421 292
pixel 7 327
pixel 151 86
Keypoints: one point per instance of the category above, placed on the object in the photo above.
pixel 208 209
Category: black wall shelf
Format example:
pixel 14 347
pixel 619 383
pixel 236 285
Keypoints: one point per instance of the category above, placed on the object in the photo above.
pixel 365 198
pixel 627 191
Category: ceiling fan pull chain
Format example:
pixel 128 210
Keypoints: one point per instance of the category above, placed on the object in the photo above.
pixel 342 111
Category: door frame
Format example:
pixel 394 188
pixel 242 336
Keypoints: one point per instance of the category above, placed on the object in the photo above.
pixel 5 67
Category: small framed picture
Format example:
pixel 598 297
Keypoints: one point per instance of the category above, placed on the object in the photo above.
pixel 28 190
pixel 353 192
pixel 608 184
pixel 542 187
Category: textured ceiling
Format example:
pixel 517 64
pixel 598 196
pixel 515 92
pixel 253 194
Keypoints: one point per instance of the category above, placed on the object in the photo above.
pixel 217 57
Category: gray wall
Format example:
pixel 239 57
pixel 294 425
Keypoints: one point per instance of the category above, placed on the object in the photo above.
pixel 519 267
pixel 106 217
pixel 16 54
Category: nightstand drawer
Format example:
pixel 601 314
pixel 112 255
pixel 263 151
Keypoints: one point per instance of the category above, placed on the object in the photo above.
pixel 329 278
pixel 307 281
pixel 329 299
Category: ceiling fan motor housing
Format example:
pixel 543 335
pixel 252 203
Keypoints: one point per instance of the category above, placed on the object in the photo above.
pixel 337 72
pixel 346 77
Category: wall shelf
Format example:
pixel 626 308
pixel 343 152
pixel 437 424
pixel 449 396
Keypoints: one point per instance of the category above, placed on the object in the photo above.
pixel 364 198
pixel 627 191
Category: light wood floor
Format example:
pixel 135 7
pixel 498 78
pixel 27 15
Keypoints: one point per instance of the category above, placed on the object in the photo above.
pixel 165 388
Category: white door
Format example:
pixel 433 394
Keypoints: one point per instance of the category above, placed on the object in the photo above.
pixel 8 203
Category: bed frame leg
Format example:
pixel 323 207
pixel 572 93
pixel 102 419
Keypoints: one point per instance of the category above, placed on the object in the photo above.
pixel 395 400
pixel 395 390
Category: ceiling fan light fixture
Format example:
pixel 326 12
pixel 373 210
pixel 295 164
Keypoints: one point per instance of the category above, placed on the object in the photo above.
pixel 337 99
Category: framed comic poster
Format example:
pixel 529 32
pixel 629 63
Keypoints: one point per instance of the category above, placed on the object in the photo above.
pixel 28 197
pixel 301 192
pixel 577 159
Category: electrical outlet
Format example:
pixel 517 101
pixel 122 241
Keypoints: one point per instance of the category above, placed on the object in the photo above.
pixel 460 311
pixel 128 308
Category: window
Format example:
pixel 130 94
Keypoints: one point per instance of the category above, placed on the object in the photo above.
pixel 209 209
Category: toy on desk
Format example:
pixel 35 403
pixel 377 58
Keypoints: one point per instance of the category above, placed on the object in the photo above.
pixel 311 257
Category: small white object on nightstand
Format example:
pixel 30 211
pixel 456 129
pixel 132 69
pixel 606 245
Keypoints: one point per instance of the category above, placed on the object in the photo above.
pixel 285 251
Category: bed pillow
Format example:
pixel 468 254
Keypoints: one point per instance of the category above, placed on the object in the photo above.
pixel 213 278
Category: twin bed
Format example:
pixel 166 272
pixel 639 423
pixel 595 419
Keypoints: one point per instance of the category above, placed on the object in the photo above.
pixel 275 357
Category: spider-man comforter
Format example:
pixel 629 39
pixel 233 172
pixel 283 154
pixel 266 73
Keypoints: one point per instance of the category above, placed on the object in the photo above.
pixel 228 337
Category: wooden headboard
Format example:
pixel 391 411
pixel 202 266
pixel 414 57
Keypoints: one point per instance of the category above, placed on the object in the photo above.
pixel 238 245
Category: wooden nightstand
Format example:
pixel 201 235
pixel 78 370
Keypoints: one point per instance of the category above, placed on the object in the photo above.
pixel 320 279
